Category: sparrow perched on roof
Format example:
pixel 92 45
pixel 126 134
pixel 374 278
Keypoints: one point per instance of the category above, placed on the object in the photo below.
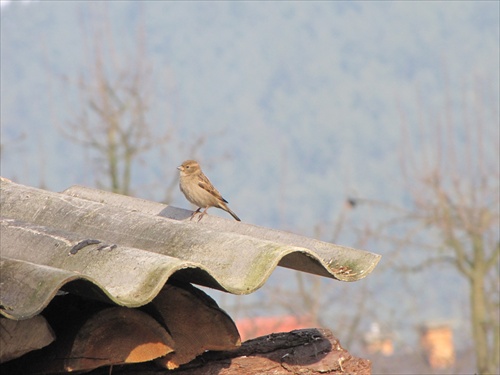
pixel 199 190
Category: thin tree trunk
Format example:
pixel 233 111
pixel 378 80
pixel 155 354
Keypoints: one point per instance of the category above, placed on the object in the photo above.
pixel 484 357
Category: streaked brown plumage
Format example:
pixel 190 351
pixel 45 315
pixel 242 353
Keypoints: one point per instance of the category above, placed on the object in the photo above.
pixel 199 190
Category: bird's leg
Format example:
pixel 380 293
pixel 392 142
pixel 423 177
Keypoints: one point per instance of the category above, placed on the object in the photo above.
pixel 203 213
pixel 194 213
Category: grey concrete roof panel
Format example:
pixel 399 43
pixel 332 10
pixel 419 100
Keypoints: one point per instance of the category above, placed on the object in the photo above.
pixel 128 248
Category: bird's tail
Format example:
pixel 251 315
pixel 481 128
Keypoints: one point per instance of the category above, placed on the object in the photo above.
pixel 226 208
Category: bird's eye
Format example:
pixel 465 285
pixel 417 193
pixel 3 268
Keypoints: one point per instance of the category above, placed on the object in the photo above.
pixel 187 166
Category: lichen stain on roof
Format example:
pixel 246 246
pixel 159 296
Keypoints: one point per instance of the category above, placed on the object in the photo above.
pixel 126 249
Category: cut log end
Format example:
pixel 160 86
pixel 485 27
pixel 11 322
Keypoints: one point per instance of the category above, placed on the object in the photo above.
pixel 18 337
pixel 205 327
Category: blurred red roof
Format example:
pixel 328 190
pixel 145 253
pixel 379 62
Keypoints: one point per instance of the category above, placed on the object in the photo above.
pixel 260 326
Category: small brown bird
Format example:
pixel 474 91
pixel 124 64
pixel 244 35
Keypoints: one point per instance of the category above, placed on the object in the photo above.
pixel 199 190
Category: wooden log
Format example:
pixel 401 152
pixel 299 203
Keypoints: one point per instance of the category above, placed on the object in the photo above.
pixel 114 335
pixel 195 322
pixel 18 337
pixel 118 335
pixel 307 351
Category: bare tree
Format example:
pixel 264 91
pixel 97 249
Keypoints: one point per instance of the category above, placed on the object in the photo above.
pixel 451 168
pixel 453 182
pixel 111 123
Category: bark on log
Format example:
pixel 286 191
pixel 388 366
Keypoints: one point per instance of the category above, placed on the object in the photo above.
pixel 18 337
pixel 308 351
pixel 195 322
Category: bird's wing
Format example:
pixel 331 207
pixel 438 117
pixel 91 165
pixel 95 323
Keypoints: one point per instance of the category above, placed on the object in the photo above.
pixel 205 183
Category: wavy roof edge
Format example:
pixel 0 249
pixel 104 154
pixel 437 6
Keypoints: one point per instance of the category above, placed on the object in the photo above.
pixel 129 248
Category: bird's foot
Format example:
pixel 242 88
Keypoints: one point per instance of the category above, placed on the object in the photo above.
pixel 194 214
pixel 202 213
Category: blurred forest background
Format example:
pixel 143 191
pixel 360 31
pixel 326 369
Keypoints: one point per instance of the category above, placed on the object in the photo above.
pixel 369 124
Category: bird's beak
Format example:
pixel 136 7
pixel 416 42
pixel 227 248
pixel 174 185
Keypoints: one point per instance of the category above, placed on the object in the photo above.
pixel 179 167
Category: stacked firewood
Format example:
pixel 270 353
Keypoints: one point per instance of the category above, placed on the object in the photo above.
pixel 182 330
pixel 178 325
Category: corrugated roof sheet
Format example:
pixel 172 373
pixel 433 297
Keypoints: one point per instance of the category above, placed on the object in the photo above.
pixel 125 249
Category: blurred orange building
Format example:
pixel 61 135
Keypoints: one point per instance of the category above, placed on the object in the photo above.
pixel 437 343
